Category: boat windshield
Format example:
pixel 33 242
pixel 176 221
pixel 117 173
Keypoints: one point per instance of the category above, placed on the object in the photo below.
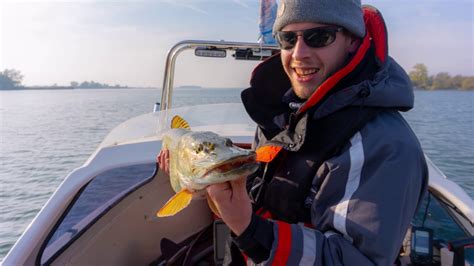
pixel 210 64
pixel 226 119
pixel 105 190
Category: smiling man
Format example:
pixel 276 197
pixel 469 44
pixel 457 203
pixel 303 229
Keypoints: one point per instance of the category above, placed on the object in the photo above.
pixel 341 171
pixel 307 67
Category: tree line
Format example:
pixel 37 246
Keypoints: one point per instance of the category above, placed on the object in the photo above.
pixel 93 85
pixel 441 81
pixel 12 79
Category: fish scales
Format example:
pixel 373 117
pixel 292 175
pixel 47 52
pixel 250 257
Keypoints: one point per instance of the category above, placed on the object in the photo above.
pixel 199 159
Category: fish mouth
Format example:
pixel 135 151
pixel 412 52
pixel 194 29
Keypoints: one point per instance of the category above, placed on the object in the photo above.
pixel 231 164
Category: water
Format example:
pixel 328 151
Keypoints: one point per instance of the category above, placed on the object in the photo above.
pixel 444 123
pixel 46 134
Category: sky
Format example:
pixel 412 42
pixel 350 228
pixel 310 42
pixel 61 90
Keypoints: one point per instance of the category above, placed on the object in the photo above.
pixel 125 41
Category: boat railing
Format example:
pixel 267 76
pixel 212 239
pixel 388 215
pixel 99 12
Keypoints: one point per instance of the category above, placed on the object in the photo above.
pixel 168 77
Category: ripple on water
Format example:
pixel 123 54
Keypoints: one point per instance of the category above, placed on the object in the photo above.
pixel 40 153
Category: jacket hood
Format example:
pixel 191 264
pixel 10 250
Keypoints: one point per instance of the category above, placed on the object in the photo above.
pixel 371 78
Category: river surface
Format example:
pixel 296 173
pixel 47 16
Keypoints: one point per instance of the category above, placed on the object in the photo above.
pixel 46 134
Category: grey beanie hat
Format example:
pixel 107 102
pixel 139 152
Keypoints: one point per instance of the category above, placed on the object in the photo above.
pixel 344 13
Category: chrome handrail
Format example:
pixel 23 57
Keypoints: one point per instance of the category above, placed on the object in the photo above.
pixel 167 89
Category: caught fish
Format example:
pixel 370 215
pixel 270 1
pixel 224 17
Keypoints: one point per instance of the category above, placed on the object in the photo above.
pixel 199 159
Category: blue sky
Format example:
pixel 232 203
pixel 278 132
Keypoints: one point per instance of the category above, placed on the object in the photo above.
pixel 125 42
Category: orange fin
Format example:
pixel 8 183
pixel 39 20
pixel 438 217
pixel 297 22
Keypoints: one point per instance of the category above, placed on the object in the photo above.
pixel 174 205
pixel 179 122
pixel 267 153
pixel 213 206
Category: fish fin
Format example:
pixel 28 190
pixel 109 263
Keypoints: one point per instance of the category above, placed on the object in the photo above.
pixel 174 205
pixel 213 206
pixel 179 122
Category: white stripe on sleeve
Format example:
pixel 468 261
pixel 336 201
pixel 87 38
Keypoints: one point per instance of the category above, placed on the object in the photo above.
pixel 309 247
pixel 357 161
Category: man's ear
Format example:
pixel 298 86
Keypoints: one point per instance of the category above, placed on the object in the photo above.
pixel 354 44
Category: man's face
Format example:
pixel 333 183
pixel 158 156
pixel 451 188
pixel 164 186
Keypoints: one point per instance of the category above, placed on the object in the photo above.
pixel 309 67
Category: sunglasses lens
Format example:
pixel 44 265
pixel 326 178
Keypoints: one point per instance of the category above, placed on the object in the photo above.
pixel 286 39
pixel 319 37
pixel 315 37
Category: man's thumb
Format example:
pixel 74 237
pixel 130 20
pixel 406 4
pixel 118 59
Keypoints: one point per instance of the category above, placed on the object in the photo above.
pixel 239 183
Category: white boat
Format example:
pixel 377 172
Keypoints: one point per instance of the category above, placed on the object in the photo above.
pixel 103 213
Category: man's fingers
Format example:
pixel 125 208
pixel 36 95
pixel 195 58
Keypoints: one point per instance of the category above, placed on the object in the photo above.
pixel 160 159
pixel 239 184
pixel 219 191
pixel 232 201
pixel 240 181
pixel 216 188
pixel 167 165
pixel 163 160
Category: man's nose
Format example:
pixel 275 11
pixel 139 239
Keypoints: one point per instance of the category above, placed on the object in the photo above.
pixel 301 49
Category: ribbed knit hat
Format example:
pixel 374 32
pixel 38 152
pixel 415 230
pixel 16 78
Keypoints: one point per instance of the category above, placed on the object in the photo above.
pixel 344 13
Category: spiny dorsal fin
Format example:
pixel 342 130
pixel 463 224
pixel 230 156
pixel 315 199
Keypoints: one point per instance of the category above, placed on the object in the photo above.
pixel 174 205
pixel 179 122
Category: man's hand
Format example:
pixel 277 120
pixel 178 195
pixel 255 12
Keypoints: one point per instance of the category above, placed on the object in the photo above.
pixel 233 203
pixel 163 160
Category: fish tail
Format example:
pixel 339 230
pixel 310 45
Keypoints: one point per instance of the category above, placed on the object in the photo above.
pixel 174 205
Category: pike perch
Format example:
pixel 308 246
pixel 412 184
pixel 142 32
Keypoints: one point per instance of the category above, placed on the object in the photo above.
pixel 199 159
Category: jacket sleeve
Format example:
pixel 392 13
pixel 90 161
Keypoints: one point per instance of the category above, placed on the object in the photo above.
pixel 363 202
pixel 279 243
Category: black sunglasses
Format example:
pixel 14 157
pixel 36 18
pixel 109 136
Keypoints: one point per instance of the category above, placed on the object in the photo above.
pixel 314 37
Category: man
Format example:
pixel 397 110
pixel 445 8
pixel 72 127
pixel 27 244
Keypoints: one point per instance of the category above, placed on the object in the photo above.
pixel 342 173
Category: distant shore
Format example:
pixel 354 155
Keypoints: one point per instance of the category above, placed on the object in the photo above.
pixel 443 89
pixel 154 88
pixel 39 88
pixel 68 88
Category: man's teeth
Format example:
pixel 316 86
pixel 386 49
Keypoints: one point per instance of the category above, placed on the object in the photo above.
pixel 307 71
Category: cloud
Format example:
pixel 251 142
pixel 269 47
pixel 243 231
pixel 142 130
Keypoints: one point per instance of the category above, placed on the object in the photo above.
pixel 241 3
pixel 187 5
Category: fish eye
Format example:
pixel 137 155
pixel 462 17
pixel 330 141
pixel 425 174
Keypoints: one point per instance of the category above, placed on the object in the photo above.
pixel 199 148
